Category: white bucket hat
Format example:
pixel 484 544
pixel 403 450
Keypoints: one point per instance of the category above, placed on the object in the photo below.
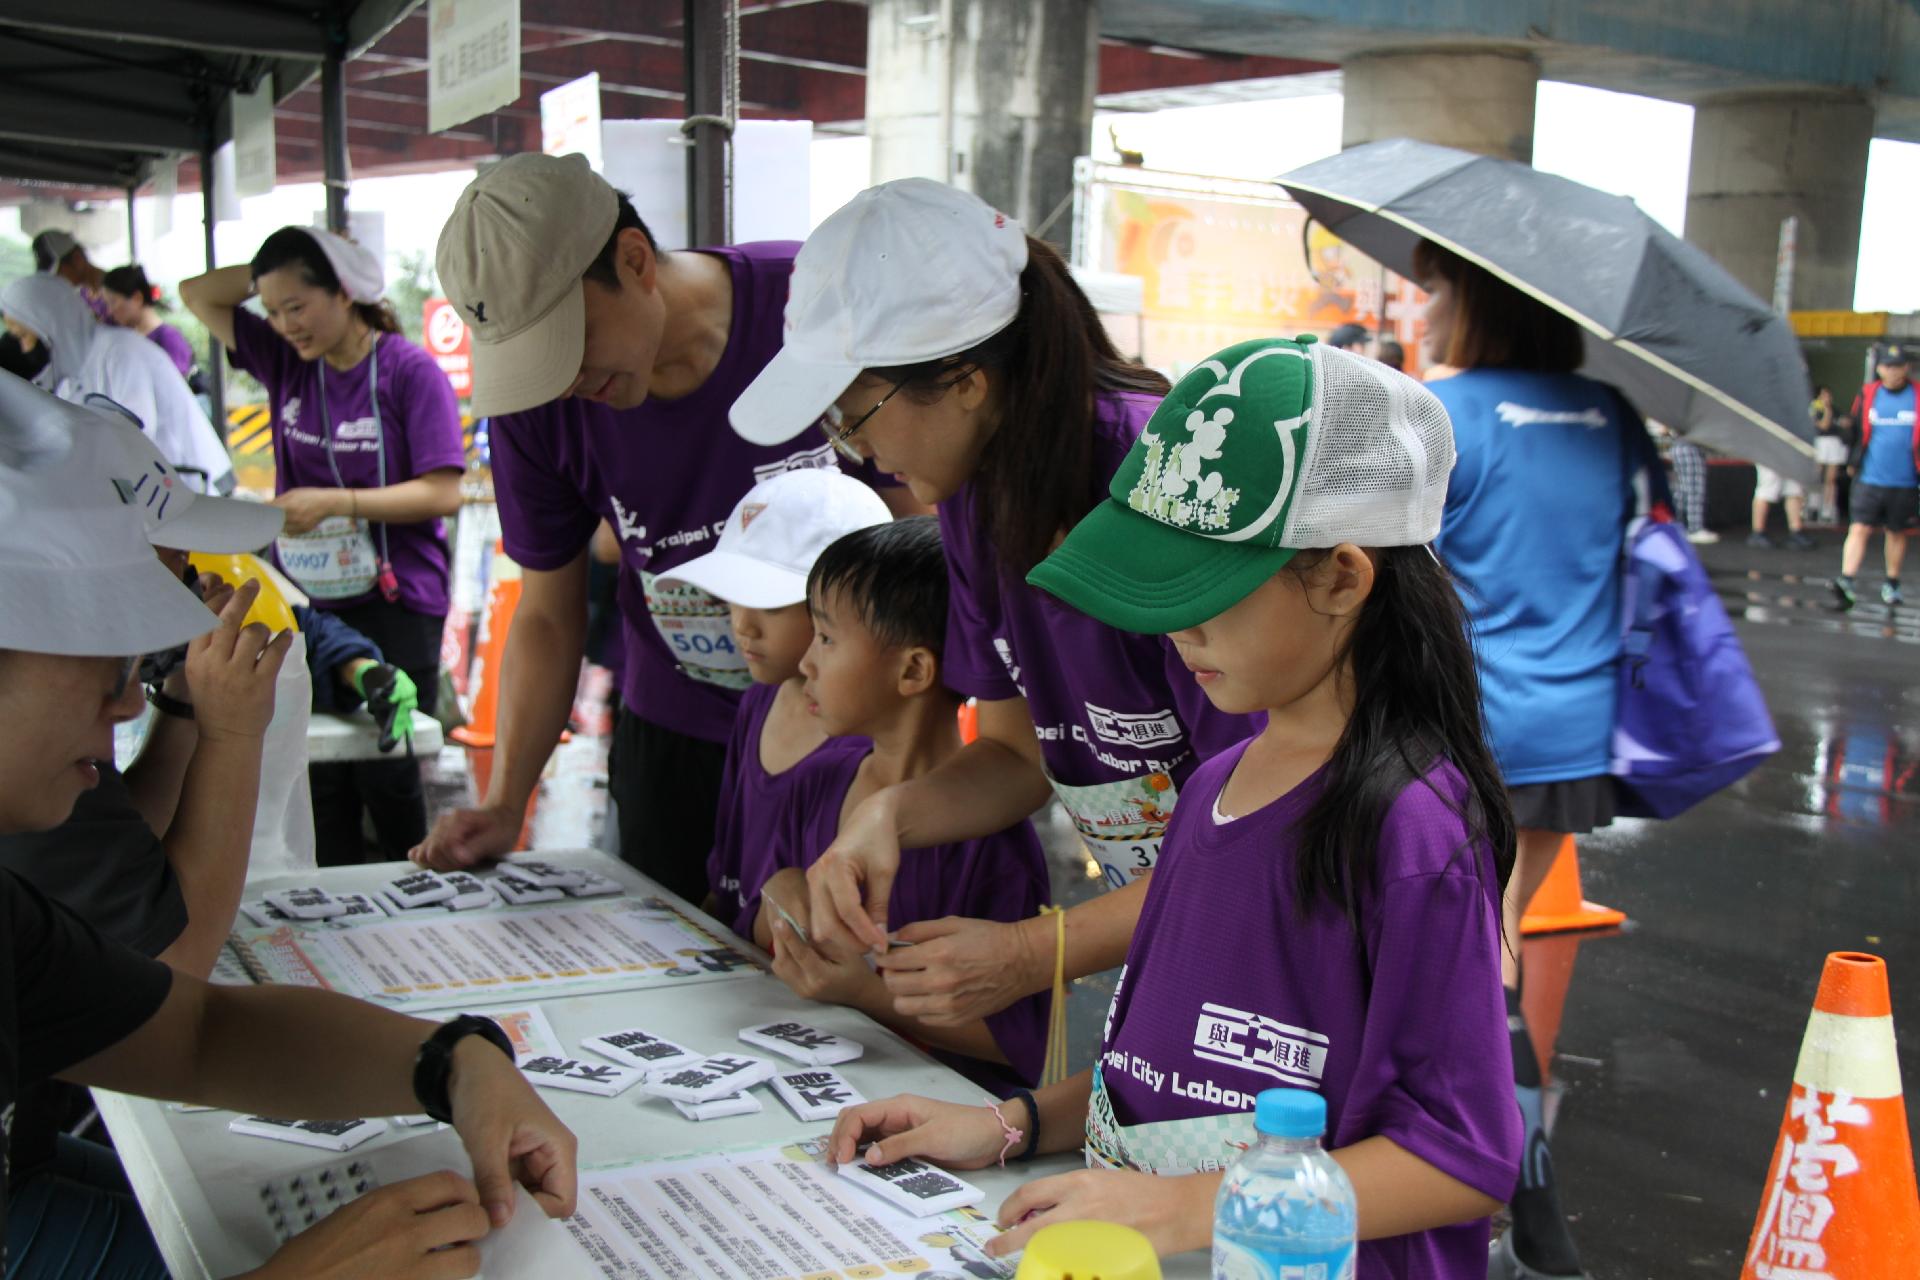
pixel 362 277
pixel 76 570
pixel 906 271
pixel 776 533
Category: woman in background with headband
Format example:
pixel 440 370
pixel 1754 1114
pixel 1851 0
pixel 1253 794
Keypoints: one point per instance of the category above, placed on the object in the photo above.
pixel 133 303
pixel 367 458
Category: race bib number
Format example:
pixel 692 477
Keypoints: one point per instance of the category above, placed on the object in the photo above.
pixel 1122 823
pixel 698 633
pixel 334 560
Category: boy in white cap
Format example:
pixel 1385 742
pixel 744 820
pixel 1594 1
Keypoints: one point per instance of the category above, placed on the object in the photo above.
pixel 759 569
pixel 86 596
pixel 607 367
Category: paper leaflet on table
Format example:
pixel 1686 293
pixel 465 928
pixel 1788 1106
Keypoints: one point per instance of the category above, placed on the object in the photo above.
pixel 444 960
pixel 767 1211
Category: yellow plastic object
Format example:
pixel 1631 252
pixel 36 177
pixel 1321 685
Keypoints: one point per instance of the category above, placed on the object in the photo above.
pixel 1088 1251
pixel 270 608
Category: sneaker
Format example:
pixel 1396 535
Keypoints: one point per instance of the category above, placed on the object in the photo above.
pixel 1890 594
pixel 1702 537
pixel 1801 542
pixel 1758 539
pixel 1843 592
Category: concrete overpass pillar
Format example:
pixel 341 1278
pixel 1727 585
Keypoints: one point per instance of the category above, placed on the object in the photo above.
pixel 1759 158
pixel 1474 99
pixel 994 96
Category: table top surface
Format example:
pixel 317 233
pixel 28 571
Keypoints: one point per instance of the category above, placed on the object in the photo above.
pixel 198 1183
pixel 354 736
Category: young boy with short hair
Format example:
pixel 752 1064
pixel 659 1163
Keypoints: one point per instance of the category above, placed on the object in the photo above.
pixel 878 600
pixel 759 569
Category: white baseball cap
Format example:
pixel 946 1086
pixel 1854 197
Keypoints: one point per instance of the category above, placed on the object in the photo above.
pixel 511 258
pixel 776 533
pixel 76 570
pixel 904 272
pixel 175 515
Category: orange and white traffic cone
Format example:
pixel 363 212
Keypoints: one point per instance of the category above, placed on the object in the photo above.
pixel 1841 1202
pixel 1559 905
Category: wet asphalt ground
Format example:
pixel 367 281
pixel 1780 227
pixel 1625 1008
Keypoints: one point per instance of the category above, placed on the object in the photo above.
pixel 1678 1033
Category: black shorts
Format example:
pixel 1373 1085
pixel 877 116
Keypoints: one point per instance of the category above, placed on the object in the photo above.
pixel 1573 807
pixel 667 787
pixel 1894 510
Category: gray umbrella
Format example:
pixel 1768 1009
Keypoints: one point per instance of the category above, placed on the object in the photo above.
pixel 1666 324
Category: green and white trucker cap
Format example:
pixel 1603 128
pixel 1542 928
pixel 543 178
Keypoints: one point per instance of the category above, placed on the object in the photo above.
pixel 1267 448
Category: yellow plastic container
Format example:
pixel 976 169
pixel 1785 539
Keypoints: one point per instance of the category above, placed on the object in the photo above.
pixel 270 608
pixel 1088 1251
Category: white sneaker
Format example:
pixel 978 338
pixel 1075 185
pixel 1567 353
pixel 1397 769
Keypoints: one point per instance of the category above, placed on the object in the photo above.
pixel 1703 537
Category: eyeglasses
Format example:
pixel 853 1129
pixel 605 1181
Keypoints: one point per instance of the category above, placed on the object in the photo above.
pixel 842 438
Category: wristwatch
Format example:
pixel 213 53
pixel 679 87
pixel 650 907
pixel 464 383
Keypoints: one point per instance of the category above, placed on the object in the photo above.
pixel 434 1066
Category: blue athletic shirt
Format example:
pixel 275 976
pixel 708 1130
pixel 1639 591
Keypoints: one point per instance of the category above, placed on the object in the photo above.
pixel 1535 519
pixel 1889 460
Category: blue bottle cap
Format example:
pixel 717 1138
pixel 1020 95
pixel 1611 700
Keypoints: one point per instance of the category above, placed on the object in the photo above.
pixel 1290 1113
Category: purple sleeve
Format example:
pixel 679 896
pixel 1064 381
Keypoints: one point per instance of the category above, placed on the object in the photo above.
pixel 969 665
pixel 175 344
pixel 429 411
pixel 543 520
pixel 260 351
pixel 1435 1074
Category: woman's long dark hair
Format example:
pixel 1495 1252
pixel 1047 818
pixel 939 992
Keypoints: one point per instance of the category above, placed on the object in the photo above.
pixel 293 247
pixel 1416 703
pixel 1037 475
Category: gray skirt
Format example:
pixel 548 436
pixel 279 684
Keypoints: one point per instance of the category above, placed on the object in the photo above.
pixel 1573 807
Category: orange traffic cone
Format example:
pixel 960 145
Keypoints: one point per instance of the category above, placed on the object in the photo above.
pixel 503 597
pixel 1841 1203
pixel 1558 905
pixel 969 720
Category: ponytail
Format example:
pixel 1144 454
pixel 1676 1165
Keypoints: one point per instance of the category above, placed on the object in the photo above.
pixel 1037 474
pixel 1416 705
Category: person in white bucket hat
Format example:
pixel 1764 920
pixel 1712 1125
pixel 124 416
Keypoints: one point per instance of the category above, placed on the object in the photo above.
pixel 607 364
pixel 928 333
pixel 367 455
pixel 85 598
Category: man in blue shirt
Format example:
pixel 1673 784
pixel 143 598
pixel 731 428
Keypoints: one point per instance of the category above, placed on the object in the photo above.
pixel 1886 474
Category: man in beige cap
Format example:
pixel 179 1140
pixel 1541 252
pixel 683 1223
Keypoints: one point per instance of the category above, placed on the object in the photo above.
pixel 608 367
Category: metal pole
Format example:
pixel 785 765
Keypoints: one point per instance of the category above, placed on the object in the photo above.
pixel 333 131
pixel 216 358
pixel 713 65
pixel 133 237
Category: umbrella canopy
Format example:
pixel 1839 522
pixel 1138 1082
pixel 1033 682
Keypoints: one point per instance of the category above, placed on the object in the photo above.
pixel 1665 323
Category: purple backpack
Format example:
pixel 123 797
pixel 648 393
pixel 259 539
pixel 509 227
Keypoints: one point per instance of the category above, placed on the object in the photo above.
pixel 1690 718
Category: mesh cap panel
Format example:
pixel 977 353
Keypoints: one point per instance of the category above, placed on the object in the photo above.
pixel 1378 457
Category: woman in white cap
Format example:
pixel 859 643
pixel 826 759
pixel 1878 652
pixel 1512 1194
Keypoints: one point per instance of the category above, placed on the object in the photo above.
pixel 86 358
pixel 85 598
pixel 931 334
pixel 367 458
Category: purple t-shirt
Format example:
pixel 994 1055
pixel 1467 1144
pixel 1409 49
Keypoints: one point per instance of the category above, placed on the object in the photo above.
pixel 999 877
pixel 175 344
pixel 1114 710
pixel 1228 988
pixel 419 424
pixel 753 805
pixel 665 475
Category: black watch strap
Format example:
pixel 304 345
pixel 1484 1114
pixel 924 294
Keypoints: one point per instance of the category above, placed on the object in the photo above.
pixel 434 1066
pixel 167 705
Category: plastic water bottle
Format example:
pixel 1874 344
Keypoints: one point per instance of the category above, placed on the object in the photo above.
pixel 1286 1209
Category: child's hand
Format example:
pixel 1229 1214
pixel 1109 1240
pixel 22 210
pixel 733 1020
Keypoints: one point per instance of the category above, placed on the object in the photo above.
pixel 785 889
pixel 817 976
pixel 1175 1213
pixel 906 1126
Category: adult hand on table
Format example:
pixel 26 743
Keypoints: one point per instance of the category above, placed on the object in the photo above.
pixel 509 1133
pixel 467 837
pixel 958 970
pixel 420 1229
pixel 907 1125
pixel 853 879
pixel 232 668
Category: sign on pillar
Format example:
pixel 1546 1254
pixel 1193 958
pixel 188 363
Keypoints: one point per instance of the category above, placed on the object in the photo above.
pixel 473 51
pixel 451 343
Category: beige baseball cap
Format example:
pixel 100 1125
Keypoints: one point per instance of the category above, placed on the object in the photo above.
pixel 511 259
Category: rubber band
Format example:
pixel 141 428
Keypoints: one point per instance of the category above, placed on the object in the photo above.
pixel 1012 1135
pixel 1055 1068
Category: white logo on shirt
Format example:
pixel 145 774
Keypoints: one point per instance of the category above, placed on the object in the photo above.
pixel 1005 650
pixel 1255 1042
pixel 358 429
pixel 818 459
pixel 1521 415
pixel 628 524
pixel 290 411
pixel 1904 418
pixel 1126 729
